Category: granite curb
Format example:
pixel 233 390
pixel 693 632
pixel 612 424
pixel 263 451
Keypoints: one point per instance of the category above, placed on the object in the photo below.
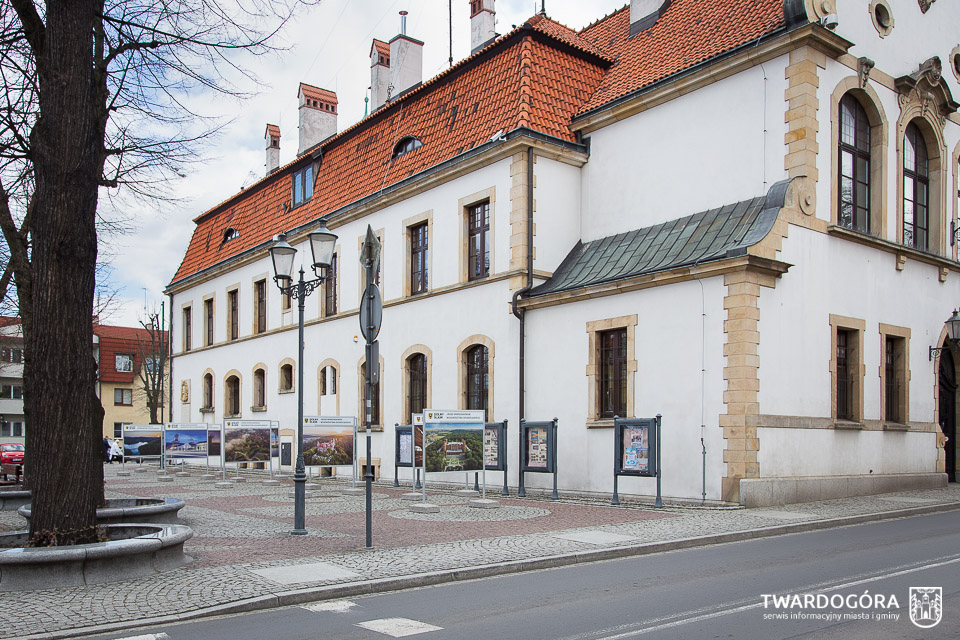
pixel 368 587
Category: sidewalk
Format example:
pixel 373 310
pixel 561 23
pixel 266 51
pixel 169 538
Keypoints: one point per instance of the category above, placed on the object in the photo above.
pixel 245 557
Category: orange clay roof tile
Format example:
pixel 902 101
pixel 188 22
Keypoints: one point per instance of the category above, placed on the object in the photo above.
pixel 517 81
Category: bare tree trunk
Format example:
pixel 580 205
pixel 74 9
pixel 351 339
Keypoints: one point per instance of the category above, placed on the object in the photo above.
pixel 67 147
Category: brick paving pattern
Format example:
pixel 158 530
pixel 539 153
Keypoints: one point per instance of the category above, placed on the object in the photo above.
pixel 245 527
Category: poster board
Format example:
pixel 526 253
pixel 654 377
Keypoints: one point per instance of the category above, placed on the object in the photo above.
pixel 453 440
pixel 635 446
pixel 274 442
pixel 329 441
pixel 539 447
pixel 495 446
pixel 215 442
pixel 246 440
pixel 404 446
pixel 417 439
pixel 142 441
pixel 185 440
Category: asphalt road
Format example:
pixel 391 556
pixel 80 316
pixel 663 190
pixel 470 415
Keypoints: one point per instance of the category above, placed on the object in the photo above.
pixel 722 591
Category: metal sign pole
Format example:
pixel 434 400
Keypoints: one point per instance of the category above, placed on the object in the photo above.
pixel 370 325
pixel 555 496
pixel 521 492
pixel 223 457
pixel 503 457
pixel 617 444
pixel 659 503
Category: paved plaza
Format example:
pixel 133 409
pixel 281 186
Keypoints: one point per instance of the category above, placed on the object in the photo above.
pixel 244 557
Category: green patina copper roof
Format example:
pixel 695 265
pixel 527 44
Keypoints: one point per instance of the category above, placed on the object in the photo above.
pixel 702 237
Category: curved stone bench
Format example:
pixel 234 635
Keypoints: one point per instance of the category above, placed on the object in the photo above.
pixel 11 500
pixel 134 550
pixel 154 510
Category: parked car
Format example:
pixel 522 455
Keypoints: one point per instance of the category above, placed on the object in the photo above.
pixel 11 453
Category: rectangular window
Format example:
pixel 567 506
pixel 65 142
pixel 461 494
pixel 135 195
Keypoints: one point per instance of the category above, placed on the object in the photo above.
pixel 17 429
pixel 330 289
pixel 285 302
pixel 302 185
pixel 895 379
pixel 208 319
pixel 233 304
pixel 11 392
pixel 848 366
pixel 6 429
pixel 117 429
pixel 261 287
pixel 187 328
pixel 123 397
pixel 124 363
pixel 612 378
pixel 419 247
pixel 478 241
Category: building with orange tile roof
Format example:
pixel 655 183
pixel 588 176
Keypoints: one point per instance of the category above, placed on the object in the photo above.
pixel 740 215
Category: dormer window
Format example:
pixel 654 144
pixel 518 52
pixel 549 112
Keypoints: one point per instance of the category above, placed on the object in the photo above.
pixel 406 145
pixel 302 185
pixel 230 234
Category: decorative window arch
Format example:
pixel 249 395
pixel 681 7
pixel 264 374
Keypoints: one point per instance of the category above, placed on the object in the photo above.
pixel 406 145
pixel 286 381
pixel 475 357
pixel 232 386
pixel 916 189
pixel 260 386
pixel 417 363
pixel 874 176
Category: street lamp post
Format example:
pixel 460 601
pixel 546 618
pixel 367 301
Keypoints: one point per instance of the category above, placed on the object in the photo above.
pixel 322 245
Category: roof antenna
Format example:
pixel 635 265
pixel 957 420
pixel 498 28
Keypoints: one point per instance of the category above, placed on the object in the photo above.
pixel 450 14
pixel 543 7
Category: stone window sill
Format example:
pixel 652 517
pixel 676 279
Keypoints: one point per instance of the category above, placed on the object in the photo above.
pixel 847 424
pixel 895 426
pixel 258 409
pixel 604 423
pixel 285 390
pixel 232 416
pixel 206 409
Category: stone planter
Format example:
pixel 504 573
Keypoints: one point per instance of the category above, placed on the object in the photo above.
pixel 10 500
pixel 153 510
pixel 132 550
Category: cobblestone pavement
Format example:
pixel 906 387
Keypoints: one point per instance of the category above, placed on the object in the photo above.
pixel 242 530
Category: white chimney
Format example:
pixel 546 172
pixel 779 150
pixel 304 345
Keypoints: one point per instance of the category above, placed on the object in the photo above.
pixel 272 139
pixel 406 61
pixel 379 73
pixel 482 24
pixel 645 13
pixel 318 116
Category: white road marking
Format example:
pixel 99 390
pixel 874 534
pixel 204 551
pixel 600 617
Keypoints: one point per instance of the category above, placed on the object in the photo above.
pixel 335 606
pixel 706 613
pixel 148 636
pixel 398 627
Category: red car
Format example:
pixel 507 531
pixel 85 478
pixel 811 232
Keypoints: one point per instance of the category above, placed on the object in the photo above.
pixel 11 453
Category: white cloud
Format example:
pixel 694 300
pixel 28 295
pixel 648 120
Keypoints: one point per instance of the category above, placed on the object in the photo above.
pixel 329 46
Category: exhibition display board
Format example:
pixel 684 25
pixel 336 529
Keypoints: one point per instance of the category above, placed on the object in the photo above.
pixel 636 451
pixel 538 451
pixel 142 441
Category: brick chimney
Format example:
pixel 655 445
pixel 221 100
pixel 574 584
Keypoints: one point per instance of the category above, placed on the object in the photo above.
pixel 272 139
pixel 318 116
pixel 379 73
pixel 406 61
pixel 645 13
pixel 482 24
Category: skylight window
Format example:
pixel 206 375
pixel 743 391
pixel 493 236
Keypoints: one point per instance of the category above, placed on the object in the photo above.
pixel 302 185
pixel 406 145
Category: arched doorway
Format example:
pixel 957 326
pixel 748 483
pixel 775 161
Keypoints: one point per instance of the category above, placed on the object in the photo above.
pixel 948 411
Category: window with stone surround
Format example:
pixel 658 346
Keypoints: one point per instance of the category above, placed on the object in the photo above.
pixel 611 370
pixel 895 374
pixel 847 370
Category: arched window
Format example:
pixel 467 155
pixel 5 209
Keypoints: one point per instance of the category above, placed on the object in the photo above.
pixel 406 145
pixel 417 385
pixel 230 234
pixel 208 391
pixel 854 166
pixel 259 388
pixel 286 377
pixel 478 378
pixel 916 190
pixel 375 401
pixel 232 396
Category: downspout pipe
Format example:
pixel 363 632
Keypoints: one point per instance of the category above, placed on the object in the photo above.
pixel 170 357
pixel 521 314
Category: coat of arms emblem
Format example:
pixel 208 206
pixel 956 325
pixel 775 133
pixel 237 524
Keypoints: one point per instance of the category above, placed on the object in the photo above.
pixel 926 606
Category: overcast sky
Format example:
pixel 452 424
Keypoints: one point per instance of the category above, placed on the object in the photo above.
pixel 328 46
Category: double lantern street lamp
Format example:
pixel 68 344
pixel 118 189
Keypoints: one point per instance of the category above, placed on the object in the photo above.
pixel 322 245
